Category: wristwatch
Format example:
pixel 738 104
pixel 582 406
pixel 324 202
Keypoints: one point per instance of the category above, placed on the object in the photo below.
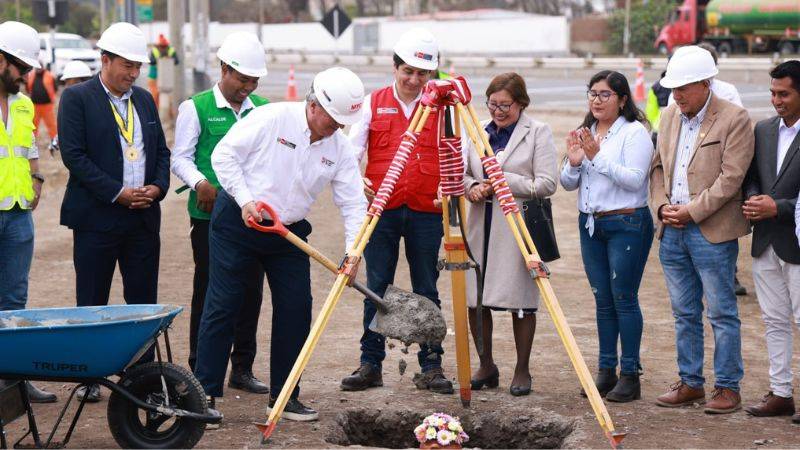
pixel 37 176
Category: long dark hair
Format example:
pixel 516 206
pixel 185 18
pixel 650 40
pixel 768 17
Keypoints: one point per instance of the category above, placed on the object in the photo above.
pixel 619 84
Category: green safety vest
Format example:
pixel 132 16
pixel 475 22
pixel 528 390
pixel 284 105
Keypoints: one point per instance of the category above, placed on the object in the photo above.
pixel 214 125
pixel 153 72
pixel 16 186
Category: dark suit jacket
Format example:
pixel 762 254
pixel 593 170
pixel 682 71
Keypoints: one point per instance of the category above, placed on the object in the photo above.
pixel 91 150
pixel 764 178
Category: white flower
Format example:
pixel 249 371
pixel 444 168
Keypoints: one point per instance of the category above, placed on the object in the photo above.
pixel 444 437
pixel 430 433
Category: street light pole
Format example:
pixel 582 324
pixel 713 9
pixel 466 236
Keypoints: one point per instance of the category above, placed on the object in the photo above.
pixel 626 35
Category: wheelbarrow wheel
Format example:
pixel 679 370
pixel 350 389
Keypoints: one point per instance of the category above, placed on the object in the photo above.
pixel 133 427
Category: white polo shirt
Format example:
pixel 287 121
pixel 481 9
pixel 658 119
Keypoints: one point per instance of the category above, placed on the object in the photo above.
pixel 269 156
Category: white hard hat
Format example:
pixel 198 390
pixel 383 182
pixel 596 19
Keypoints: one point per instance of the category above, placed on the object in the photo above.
pixel 341 94
pixel 418 48
pixel 76 69
pixel 125 40
pixel 244 52
pixel 688 65
pixel 20 41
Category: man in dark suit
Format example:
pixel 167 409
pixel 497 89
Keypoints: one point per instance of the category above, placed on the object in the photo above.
pixel 113 145
pixel 771 190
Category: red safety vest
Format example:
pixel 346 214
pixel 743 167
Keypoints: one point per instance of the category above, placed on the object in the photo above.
pixel 419 182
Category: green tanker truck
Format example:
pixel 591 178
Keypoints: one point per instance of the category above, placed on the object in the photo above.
pixel 734 26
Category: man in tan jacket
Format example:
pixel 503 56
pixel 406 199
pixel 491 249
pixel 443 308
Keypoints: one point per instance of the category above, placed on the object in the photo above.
pixel 704 149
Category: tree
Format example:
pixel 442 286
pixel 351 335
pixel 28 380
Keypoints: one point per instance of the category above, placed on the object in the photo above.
pixel 83 19
pixel 646 19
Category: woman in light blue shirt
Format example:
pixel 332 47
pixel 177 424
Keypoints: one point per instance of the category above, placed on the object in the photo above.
pixel 608 161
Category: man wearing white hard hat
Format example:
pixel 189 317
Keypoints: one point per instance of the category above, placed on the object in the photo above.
pixel 74 72
pixel 113 145
pixel 20 180
pixel 284 154
pixel 704 149
pixel 410 212
pixel 202 122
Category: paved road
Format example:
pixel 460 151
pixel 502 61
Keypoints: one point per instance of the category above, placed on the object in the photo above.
pixel 548 89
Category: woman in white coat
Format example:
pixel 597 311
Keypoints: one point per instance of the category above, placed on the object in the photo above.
pixel 527 155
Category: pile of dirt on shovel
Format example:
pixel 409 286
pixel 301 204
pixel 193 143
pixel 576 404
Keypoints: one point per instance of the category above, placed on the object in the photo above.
pixel 411 319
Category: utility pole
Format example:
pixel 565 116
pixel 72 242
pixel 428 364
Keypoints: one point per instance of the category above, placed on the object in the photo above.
pixel 626 35
pixel 261 21
pixel 199 11
pixel 19 13
pixel 175 14
pixel 103 15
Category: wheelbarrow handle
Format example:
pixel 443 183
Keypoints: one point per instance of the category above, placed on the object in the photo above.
pixel 276 228
pixel 279 229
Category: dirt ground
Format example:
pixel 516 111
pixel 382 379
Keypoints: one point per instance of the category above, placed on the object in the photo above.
pixel 555 387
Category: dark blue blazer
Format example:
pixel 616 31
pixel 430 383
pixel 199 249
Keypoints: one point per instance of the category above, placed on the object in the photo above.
pixel 90 148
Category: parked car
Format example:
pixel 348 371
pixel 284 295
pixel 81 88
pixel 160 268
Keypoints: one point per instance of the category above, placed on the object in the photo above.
pixel 68 47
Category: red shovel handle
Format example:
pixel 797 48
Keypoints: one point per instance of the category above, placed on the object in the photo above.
pixel 277 227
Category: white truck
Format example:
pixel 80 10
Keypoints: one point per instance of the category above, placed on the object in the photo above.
pixel 68 47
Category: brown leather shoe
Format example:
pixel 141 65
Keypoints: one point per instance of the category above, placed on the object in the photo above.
pixel 771 406
pixel 723 401
pixel 681 394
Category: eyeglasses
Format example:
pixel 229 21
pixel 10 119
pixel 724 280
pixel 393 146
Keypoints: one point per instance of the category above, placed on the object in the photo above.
pixel 21 66
pixel 603 95
pixel 502 107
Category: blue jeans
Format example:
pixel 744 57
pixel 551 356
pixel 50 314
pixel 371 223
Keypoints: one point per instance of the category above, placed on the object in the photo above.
pixel 423 236
pixel 693 267
pixel 16 253
pixel 614 258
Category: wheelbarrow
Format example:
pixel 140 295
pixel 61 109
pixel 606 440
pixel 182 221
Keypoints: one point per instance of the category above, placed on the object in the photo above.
pixel 152 405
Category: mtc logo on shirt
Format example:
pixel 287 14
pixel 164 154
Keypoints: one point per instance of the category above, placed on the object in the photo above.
pixel 285 142
pixel 387 111
pixel 327 162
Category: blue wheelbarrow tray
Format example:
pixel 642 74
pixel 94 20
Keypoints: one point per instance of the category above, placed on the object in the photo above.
pixel 82 342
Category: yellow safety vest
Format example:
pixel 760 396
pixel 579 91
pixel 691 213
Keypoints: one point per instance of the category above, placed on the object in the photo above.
pixel 16 186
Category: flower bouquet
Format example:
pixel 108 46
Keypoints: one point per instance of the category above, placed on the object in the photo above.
pixel 440 431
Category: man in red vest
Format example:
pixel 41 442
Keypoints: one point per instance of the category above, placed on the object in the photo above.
pixel 410 212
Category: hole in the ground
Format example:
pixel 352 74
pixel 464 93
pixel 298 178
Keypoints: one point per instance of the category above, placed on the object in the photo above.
pixel 509 428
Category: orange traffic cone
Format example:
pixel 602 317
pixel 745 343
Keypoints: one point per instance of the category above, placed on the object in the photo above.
pixel 291 86
pixel 639 94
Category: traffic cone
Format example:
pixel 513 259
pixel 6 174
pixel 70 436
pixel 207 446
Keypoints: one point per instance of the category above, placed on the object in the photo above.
pixel 291 86
pixel 639 90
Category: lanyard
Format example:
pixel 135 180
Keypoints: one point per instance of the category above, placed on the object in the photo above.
pixel 126 127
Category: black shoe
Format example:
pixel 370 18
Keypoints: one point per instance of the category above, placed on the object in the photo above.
pixel 36 395
pixel 738 289
pixel 246 381
pixel 520 390
pixel 492 381
pixel 627 389
pixel 93 395
pixel 434 381
pixel 295 411
pixel 605 381
pixel 364 377
pixel 212 409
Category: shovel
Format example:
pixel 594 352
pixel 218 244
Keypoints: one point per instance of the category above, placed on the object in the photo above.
pixel 401 315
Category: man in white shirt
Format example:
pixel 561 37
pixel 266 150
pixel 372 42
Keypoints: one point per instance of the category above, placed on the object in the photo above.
pixel 202 122
pixel 771 191
pixel 283 154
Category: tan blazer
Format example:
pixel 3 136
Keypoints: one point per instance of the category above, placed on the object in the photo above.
pixel 722 155
pixel 529 164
